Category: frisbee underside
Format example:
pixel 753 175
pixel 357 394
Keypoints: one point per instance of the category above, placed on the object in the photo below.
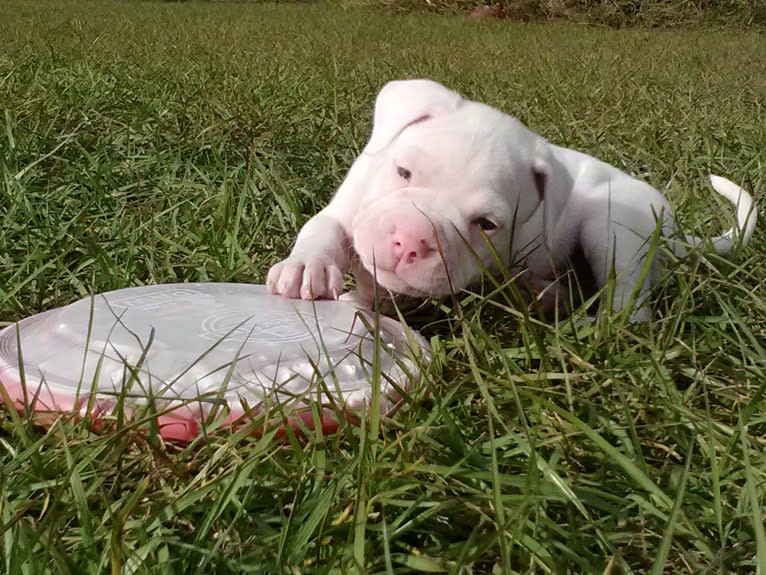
pixel 195 351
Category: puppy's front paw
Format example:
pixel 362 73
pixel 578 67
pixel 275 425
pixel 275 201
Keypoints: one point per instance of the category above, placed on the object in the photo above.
pixel 306 277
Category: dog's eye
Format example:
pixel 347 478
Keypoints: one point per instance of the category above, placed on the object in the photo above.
pixel 485 224
pixel 404 173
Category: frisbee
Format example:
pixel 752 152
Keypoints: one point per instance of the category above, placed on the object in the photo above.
pixel 186 354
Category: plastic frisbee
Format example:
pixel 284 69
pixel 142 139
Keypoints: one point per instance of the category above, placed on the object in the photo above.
pixel 191 352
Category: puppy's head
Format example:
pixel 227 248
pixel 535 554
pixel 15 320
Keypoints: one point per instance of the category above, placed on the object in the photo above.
pixel 451 187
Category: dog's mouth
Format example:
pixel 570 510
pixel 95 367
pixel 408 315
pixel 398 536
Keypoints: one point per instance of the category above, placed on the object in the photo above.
pixel 427 279
pixel 393 281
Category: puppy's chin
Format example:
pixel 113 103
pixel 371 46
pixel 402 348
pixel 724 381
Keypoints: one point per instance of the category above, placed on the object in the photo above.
pixel 391 281
pixel 425 285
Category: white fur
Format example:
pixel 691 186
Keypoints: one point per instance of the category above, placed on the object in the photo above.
pixel 439 168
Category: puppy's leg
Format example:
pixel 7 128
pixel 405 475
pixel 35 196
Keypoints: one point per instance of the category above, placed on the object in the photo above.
pixel 323 249
pixel 315 267
pixel 625 253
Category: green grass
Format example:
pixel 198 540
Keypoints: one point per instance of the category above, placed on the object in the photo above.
pixel 612 13
pixel 144 143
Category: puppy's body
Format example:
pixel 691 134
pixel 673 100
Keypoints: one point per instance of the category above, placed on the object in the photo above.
pixel 445 187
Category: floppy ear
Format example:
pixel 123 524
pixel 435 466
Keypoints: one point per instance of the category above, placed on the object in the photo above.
pixel 405 102
pixel 553 187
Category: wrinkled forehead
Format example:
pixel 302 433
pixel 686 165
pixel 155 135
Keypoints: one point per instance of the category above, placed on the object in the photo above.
pixel 475 140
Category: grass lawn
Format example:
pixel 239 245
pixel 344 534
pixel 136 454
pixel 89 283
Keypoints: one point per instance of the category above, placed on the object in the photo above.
pixel 148 142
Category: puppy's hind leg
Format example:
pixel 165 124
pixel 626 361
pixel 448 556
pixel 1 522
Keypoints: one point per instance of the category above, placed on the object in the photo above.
pixel 625 262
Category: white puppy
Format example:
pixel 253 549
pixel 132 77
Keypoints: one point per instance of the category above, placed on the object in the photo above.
pixel 447 189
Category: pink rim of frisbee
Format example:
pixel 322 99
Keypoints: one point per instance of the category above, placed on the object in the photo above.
pixel 185 354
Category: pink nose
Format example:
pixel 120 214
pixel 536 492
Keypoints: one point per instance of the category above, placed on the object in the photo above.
pixel 408 247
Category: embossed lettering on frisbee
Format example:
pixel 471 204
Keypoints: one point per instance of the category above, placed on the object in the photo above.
pixel 192 348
